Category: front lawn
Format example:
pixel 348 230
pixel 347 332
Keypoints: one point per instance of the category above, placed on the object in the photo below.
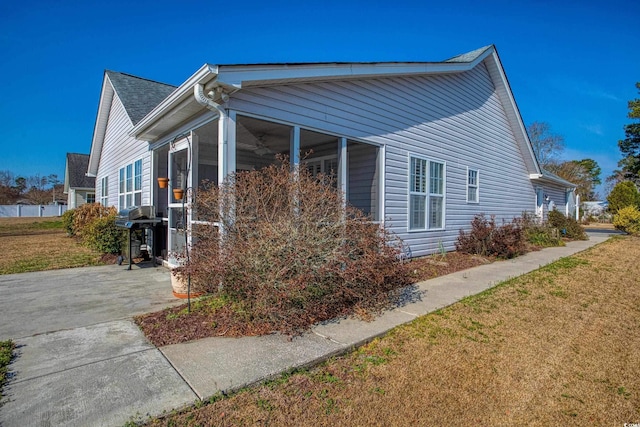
pixel 558 346
pixel 36 244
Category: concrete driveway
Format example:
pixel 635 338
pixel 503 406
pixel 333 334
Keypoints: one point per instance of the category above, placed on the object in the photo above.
pixel 47 301
pixel 80 358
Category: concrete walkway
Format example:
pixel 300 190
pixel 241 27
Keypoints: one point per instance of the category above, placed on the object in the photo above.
pixel 87 364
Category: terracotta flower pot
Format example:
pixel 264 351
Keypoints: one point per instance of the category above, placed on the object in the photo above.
pixel 178 193
pixel 163 182
pixel 180 288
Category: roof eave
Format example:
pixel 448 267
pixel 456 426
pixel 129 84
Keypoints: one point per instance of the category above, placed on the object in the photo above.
pixel 234 77
pixel 554 180
pixel 204 75
pixel 100 128
pixel 259 75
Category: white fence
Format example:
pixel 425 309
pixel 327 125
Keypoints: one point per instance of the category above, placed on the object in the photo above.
pixel 32 210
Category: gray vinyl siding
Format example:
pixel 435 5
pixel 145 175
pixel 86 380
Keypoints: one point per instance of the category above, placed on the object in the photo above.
pixel 457 119
pixel 363 182
pixel 556 193
pixel 119 150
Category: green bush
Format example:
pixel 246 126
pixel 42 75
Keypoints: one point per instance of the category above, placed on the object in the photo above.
pixel 6 355
pixel 102 235
pixel 568 227
pixel 628 220
pixel 539 234
pixel 624 194
pixel 486 238
pixel 67 221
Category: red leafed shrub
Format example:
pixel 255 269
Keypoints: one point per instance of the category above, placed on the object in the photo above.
pixel 289 252
pixel 486 238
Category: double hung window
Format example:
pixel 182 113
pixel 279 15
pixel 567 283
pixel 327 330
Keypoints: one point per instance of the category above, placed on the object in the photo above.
pixel 130 185
pixel 426 194
pixel 104 191
pixel 473 186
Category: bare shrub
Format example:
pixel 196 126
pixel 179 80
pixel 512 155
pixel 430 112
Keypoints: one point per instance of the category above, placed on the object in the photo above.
pixel 486 238
pixel 87 213
pixel 290 253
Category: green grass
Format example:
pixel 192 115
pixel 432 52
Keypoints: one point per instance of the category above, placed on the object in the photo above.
pixel 6 355
pixel 37 244
pixel 21 227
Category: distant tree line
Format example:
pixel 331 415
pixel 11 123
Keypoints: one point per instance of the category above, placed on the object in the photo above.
pixel 36 189
pixel 629 166
pixel 548 148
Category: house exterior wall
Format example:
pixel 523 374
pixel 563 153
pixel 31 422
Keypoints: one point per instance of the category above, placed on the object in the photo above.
pixel 77 197
pixel 120 150
pixel 556 195
pixel 457 119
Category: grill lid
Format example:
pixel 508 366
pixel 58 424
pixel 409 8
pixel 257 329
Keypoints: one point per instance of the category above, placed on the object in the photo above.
pixel 136 213
pixel 136 216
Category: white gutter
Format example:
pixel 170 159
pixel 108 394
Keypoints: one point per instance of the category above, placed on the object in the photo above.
pixel 207 101
pixel 202 75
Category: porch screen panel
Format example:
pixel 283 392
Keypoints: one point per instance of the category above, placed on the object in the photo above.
pixel 363 178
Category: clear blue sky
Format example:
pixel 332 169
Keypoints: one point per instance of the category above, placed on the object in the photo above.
pixel 571 64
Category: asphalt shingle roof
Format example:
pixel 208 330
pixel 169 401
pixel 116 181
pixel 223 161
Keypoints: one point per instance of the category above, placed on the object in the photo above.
pixel 469 56
pixel 77 166
pixel 138 95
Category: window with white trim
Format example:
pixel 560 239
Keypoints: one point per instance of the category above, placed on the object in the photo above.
pixel 130 185
pixel 426 194
pixel 104 191
pixel 327 165
pixel 473 186
pixel 91 197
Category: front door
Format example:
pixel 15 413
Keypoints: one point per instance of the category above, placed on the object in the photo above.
pixel 180 176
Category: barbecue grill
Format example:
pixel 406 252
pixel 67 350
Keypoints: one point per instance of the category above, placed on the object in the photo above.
pixel 138 218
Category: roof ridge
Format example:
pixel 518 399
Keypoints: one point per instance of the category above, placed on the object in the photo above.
pixel 107 71
pixel 471 55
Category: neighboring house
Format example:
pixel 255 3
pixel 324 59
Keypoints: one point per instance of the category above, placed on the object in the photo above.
pixel 594 209
pixel 78 187
pixel 422 146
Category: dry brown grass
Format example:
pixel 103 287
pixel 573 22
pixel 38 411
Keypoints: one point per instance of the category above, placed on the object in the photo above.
pixel 35 244
pixel 559 346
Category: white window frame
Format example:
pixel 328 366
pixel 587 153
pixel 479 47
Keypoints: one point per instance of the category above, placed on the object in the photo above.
pixel 90 194
pixel 424 190
pixel 475 187
pixel 130 184
pixel 104 191
pixel 325 165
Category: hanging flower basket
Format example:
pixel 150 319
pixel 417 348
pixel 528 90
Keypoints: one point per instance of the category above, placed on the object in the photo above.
pixel 178 193
pixel 163 182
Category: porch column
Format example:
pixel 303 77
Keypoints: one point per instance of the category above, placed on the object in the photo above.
pixel 223 166
pixel 231 142
pixel 294 148
pixel 226 144
pixel 342 167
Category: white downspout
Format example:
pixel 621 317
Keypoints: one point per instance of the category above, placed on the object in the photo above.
pixel 203 99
